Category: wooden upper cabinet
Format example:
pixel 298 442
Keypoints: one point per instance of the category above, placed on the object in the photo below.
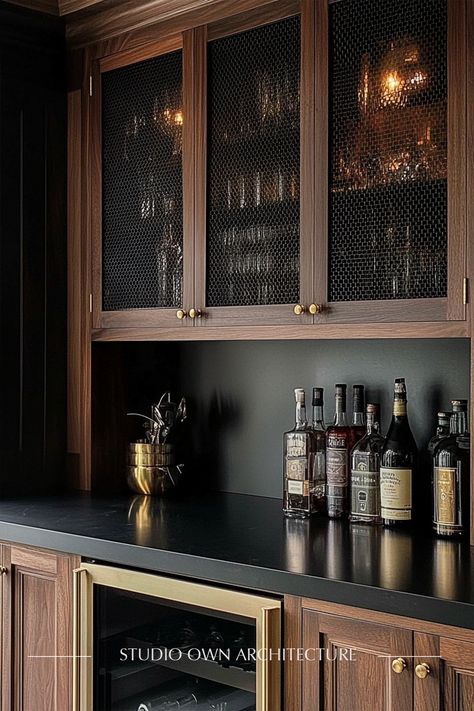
pixel 302 154
pixel 254 226
pixel 355 669
pixel 390 160
pixel 141 201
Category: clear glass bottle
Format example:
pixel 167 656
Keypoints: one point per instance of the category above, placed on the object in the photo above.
pixel 365 472
pixel 299 446
pixel 450 482
pixel 398 462
pixel 319 460
pixel 338 447
pixel 358 425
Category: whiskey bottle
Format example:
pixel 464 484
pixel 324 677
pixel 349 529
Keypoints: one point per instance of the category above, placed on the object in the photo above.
pixel 299 446
pixel 442 431
pixel 358 416
pixel 338 447
pixel 319 459
pixel 365 472
pixel 398 462
pixel 450 483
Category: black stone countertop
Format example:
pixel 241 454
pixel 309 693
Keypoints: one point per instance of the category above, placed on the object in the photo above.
pixel 244 541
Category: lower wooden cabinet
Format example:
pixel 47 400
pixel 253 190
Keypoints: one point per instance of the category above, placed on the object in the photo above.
pixel 36 624
pixel 365 661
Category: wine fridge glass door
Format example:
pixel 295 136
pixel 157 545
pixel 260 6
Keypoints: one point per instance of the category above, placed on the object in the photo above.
pixel 151 654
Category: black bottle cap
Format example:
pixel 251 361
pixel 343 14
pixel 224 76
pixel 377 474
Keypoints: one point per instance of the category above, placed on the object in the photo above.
pixel 341 388
pixel 318 397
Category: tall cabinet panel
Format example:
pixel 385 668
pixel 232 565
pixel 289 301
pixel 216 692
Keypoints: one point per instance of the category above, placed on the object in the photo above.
pixel 395 160
pixel 256 241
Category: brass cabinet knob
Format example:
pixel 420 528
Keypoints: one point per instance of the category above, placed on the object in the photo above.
pixel 3 570
pixel 422 670
pixel 299 309
pixel 180 313
pixel 315 309
pixel 398 665
pixel 195 313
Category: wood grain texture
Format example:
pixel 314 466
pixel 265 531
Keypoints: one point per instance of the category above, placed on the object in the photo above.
pixel 37 630
pixel 292 640
pixel 470 210
pixel 65 7
pixel 396 311
pixel 253 18
pixel 451 329
pixel 457 40
pixel 199 113
pixel 74 232
pixel 308 243
pixel 139 54
pixel 382 618
pixel 320 154
pixel 427 696
pixel 458 690
pixel 364 682
pixel 138 22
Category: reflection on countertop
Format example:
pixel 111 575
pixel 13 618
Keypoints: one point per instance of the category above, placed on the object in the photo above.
pixel 245 541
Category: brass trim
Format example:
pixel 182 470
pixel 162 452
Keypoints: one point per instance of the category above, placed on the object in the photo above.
pixel 265 611
pixel 465 291
pixel 3 570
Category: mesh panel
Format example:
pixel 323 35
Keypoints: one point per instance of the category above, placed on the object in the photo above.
pixel 388 205
pixel 253 167
pixel 142 184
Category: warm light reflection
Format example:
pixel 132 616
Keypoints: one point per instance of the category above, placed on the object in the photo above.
pixel 401 74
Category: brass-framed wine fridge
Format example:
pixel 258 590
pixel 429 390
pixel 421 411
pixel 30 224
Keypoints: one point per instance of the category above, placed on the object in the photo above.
pixel 256 687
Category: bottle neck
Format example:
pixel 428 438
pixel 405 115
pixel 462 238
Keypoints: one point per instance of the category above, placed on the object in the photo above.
pixel 301 421
pixel 318 417
pixel 358 418
pixel 458 423
pixel 399 409
pixel 372 425
pixel 340 419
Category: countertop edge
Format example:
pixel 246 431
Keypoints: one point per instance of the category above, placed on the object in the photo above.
pixel 224 572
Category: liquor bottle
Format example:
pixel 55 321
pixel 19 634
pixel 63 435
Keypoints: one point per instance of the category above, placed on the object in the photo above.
pixel 338 447
pixel 299 446
pixel 358 415
pixel 365 472
pixel 319 459
pixel 398 462
pixel 442 431
pixel 450 484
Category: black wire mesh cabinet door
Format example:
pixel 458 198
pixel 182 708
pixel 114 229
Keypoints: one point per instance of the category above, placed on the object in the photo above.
pixel 142 192
pixel 388 169
pixel 253 168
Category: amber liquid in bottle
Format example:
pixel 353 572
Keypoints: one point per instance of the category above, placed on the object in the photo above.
pixel 450 481
pixel 398 462
pixel 338 447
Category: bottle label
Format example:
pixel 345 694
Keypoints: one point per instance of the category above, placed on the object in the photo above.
pixel 336 465
pixel 296 445
pixel 296 468
pixel 365 492
pixel 301 488
pixel 444 481
pixel 399 408
pixel 395 493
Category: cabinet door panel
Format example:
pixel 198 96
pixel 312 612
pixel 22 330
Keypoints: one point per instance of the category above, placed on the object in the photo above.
pixel 355 669
pixel 37 629
pixel 141 201
pixel 458 688
pixel 254 236
pixel 394 243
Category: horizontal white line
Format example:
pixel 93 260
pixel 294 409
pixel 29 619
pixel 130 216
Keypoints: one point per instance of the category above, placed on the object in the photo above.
pixel 59 656
pixel 409 656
